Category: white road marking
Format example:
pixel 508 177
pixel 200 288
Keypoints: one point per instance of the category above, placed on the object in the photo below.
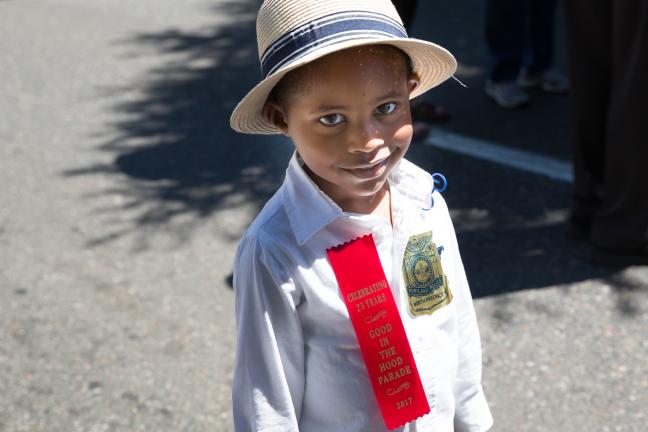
pixel 553 168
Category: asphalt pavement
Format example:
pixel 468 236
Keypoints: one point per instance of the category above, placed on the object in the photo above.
pixel 124 192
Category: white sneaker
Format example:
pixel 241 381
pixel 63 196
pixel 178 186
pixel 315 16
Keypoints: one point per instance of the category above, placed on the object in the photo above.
pixel 507 94
pixel 550 81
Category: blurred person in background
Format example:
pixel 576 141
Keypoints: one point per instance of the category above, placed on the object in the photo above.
pixel 423 113
pixel 406 9
pixel 520 39
pixel 607 44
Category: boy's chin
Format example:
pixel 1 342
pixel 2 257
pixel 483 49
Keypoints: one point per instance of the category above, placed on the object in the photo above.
pixel 369 188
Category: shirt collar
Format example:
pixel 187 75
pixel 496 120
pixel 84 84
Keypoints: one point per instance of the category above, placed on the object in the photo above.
pixel 309 209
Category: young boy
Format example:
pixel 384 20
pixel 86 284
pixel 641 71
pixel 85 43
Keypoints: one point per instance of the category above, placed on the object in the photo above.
pixel 353 309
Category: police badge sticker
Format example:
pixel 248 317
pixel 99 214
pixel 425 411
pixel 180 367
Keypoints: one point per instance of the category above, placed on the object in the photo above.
pixel 427 285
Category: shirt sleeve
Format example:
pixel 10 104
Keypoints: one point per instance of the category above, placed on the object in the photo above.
pixel 472 413
pixel 268 381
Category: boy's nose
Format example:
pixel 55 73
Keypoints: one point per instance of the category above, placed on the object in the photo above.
pixel 367 138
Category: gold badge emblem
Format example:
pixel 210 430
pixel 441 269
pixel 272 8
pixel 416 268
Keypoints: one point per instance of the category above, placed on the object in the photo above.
pixel 427 285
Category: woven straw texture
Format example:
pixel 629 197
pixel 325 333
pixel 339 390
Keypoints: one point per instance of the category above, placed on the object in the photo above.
pixel 278 17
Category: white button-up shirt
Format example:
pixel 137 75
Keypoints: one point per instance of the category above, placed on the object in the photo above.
pixel 298 363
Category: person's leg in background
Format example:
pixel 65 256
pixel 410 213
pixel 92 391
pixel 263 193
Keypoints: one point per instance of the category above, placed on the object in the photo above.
pixel 607 41
pixel 588 36
pixel 538 68
pixel 620 227
pixel 505 31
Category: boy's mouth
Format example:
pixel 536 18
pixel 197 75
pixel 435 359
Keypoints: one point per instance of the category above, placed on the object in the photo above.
pixel 369 171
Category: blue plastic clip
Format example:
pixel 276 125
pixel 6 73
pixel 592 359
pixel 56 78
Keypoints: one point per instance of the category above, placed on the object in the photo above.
pixel 440 185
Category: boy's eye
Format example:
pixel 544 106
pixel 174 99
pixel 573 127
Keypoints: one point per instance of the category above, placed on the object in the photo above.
pixel 387 108
pixel 331 119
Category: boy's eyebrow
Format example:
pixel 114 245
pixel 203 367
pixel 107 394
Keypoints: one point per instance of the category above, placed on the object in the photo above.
pixel 393 93
pixel 323 107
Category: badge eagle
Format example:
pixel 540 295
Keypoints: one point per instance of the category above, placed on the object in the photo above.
pixel 427 285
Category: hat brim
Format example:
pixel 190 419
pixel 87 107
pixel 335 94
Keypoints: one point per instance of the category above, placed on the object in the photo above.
pixel 432 63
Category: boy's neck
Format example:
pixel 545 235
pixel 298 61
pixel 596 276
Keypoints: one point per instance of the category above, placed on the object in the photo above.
pixel 378 204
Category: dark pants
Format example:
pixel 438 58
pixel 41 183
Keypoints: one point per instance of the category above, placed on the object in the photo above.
pixel 607 42
pixel 519 33
pixel 406 10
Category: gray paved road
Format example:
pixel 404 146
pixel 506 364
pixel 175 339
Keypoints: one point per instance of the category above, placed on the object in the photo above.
pixel 123 194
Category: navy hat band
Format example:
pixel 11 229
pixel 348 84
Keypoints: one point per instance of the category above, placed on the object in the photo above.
pixel 326 31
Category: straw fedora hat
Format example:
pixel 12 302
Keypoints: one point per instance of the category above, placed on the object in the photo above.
pixel 292 33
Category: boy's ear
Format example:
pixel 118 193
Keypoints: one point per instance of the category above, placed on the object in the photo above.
pixel 276 114
pixel 413 82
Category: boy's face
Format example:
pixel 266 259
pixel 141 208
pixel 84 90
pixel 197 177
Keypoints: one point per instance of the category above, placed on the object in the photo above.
pixel 349 118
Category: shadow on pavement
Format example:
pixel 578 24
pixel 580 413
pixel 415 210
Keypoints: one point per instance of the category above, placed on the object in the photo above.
pixel 512 229
pixel 176 147
pixel 181 158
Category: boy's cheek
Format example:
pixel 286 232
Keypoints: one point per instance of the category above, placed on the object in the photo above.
pixel 403 135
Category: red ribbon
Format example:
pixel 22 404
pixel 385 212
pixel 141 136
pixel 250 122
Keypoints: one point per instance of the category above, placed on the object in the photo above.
pixel 380 332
